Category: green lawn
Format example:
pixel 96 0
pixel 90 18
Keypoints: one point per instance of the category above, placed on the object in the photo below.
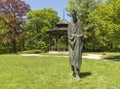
pixel 112 56
pixel 53 72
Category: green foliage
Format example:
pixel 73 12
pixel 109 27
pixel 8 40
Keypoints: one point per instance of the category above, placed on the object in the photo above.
pixel 42 20
pixel 30 52
pixel 85 9
pixel 108 26
pixel 100 21
pixel 39 21
pixel 53 72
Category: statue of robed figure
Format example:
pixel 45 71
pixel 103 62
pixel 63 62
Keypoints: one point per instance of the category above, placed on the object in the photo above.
pixel 75 42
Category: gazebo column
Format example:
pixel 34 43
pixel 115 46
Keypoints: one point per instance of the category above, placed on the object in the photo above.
pixel 49 43
pixel 66 43
pixel 56 44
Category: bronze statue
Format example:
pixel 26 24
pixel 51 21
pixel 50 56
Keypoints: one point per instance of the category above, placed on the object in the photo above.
pixel 75 36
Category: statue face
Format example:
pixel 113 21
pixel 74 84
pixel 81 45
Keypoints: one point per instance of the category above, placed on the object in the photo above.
pixel 74 14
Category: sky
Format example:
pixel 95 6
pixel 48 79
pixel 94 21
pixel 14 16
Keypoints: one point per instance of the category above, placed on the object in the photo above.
pixel 57 5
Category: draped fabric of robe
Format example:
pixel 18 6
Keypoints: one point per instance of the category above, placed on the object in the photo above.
pixel 75 43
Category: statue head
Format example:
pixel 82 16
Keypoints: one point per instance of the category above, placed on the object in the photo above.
pixel 74 15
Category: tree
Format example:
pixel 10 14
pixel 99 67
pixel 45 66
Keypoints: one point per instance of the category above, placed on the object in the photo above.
pixel 38 22
pixel 107 18
pixel 101 23
pixel 12 13
pixel 85 8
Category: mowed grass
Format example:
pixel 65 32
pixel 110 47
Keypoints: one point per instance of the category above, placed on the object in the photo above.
pixel 53 72
pixel 112 56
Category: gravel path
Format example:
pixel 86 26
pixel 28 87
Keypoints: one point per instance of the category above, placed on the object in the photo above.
pixel 89 56
pixel 93 56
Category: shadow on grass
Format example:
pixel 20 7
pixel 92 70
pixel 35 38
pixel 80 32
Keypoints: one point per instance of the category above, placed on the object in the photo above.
pixel 113 58
pixel 85 74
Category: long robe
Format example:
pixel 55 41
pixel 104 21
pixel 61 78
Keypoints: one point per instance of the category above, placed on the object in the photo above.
pixel 75 43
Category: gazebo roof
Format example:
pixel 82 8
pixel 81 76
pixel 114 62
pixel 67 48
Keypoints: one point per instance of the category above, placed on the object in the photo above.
pixel 60 29
pixel 63 21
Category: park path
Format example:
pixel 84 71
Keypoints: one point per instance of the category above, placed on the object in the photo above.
pixel 93 56
pixel 89 56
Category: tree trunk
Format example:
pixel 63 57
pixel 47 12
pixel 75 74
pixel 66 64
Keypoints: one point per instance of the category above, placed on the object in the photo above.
pixel 14 43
